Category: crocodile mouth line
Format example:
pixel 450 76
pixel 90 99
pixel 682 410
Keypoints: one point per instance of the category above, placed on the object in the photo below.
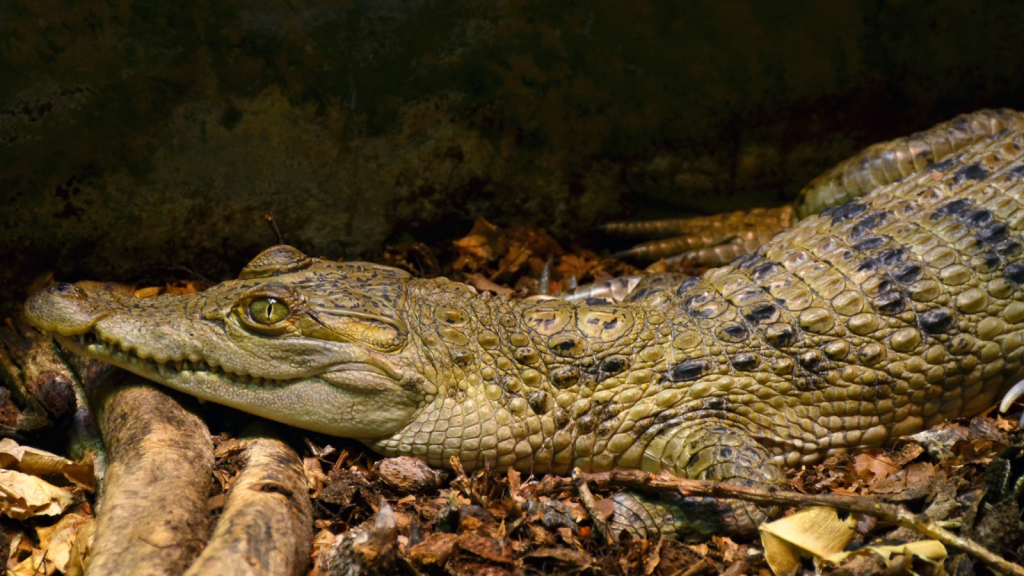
pixel 112 352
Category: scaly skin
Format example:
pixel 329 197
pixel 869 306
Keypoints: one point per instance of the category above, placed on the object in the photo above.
pixel 876 319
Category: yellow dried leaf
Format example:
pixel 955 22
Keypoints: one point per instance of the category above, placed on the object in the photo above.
pixel 41 463
pixel 23 496
pixel 38 564
pixel 817 532
pixel 81 549
pixel 59 539
pixel 149 291
pixel 930 550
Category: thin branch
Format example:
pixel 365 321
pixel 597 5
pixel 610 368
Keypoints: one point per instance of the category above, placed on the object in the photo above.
pixel 587 499
pixel 892 513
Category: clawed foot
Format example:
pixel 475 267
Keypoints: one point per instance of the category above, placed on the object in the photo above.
pixel 704 240
pixel 1012 395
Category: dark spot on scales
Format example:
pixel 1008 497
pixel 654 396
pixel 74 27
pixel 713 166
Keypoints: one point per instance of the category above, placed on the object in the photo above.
pixel 892 256
pixel 1015 273
pixel 762 271
pixel 810 360
pixel 745 361
pixel 586 424
pixel 1010 247
pixel 564 376
pixel 994 233
pixel 1016 174
pixel 992 261
pixel 734 333
pixel 783 337
pixel 703 312
pixel 954 208
pixel 908 273
pixel 639 294
pixel 714 403
pixel 941 166
pixel 868 244
pixel 746 261
pixel 890 303
pixel 846 212
pixel 761 313
pixel 688 284
pixel 975 218
pixel 866 266
pixel 698 300
pixel 936 321
pixel 868 223
pixel 592 301
pixel 565 346
pixel 539 402
pixel 687 371
pixel 973 171
pixel 614 364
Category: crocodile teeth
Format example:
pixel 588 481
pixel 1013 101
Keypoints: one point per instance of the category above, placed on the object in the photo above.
pixel 1011 396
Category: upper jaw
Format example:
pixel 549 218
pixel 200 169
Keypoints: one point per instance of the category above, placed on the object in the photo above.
pixel 92 345
pixel 366 371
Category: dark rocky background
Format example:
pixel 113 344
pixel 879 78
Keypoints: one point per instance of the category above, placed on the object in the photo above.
pixel 140 139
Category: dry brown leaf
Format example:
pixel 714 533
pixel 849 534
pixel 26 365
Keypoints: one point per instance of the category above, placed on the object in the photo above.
pixel 482 244
pixel 1005 424
pixel 873 465
pixel 515 257
pixel 23 496
pixel 482 283
pixel 817 532
pixel 41 463
pixel 184 288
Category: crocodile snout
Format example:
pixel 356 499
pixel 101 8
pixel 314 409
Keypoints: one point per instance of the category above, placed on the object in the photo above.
pixel 65 309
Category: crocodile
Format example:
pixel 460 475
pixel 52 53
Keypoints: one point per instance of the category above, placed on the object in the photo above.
pixel 873 319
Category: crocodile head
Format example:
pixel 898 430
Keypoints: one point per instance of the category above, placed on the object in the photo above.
pixel 308 342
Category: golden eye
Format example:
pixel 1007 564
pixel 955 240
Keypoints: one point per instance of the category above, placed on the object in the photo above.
pixel 268 311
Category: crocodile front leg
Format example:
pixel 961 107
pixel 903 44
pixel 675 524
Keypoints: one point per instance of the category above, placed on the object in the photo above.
pixel 701 452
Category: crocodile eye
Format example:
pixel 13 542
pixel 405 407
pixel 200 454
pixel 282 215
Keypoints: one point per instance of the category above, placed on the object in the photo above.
pixel 268 311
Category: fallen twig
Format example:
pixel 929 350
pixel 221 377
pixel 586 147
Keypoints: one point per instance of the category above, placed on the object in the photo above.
pixel 893 513
pixel 587 499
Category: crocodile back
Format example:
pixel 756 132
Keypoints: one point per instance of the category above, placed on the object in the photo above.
pixel 874 319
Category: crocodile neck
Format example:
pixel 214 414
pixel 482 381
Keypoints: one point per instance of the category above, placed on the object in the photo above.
pixel 536 384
